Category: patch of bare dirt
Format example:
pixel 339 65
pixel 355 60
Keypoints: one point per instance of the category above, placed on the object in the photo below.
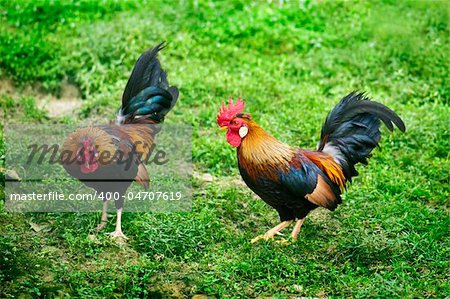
pixel 65 104
pixel 68 102
pixel 6 86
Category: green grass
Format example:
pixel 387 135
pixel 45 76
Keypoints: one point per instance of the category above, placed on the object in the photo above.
pixel 291 63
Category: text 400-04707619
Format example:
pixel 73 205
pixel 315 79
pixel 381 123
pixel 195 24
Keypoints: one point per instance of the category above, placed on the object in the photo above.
pixel 142 195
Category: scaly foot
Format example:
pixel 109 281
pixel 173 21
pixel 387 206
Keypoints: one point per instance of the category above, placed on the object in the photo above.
pixel 267 236
pixel 261 237
pixel 118 234
pixel 101 225
pixel 272 232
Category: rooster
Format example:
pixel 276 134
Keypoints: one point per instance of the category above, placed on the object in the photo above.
pixel 145 102
pixel 296 181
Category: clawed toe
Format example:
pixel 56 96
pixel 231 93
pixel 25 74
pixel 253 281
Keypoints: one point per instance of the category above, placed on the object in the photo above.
pixel 256 239
pixel 265 237
pixel 118 234
pixel 284 241
pixel 272 232
pixel 101 226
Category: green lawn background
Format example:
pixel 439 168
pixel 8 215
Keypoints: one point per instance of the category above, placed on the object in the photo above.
pixel 291 61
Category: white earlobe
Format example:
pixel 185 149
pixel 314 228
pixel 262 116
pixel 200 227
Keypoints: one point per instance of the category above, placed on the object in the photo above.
pixel 243 131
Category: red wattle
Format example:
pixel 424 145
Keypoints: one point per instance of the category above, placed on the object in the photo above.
pixel 92 167
pixel 233 138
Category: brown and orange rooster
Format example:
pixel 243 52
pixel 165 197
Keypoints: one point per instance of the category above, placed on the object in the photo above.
pixel 109 158
pixel 296 181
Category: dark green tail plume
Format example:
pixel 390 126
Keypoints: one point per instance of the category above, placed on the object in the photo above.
pixel 147 97
pixel 351 130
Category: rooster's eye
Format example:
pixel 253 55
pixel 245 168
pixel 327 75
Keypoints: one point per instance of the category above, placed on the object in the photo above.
pixel 80 155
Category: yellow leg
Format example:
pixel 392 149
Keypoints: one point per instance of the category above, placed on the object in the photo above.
pixel 296 229
pixel 272 232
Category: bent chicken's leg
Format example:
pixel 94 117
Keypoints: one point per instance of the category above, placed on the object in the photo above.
pixel 104 220
pixel 272 232
pixel 118 232
pixel 296 229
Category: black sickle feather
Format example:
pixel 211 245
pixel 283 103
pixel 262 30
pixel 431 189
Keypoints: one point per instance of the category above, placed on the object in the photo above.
pixel 147 96
pixel 357 104
pixel 351 130
pixel 384 113
pixel 146 72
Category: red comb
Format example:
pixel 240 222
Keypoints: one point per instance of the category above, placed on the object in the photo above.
pixel 227 113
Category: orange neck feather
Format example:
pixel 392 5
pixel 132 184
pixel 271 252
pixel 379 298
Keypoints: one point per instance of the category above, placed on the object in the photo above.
pixel 261 154
pixel 101 140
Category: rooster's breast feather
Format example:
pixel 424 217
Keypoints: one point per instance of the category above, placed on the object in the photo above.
pixel 138 139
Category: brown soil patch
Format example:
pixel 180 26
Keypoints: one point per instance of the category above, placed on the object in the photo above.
pixel 67 103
